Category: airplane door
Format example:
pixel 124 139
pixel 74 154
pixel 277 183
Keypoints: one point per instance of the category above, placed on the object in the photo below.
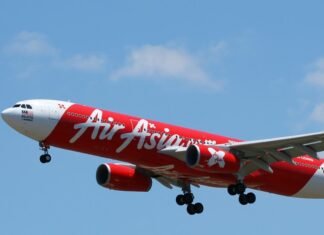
pixel 54 113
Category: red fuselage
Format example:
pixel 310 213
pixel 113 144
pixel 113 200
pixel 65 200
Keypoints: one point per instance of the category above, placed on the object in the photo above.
pixel 138 141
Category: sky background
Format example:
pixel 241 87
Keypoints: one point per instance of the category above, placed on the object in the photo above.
pixel 247 69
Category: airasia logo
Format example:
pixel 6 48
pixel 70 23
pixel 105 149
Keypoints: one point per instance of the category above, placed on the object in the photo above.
pixel 147 140
pixel 217 157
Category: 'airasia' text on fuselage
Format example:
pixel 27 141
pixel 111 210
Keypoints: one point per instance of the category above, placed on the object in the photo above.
pixel 146 139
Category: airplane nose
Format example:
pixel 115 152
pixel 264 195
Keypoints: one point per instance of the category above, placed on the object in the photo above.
pixel 13 119
pixel 5 114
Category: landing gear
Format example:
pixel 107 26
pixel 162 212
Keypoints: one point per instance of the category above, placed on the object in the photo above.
pixel 239 189
pixel 44 158
pixel 234 189
pixel 247 198
pixel 187 198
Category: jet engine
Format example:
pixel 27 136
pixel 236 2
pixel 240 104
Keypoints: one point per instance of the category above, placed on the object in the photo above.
pixel 211 159
pixel 122 177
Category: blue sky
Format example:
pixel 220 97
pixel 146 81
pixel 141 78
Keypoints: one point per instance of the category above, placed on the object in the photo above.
pixel 248 69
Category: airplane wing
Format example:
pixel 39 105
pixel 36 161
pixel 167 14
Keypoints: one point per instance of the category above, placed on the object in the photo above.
pixel 259 154
pixel 313 140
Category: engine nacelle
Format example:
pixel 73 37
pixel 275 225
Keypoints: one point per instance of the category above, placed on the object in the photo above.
pixel 211 159
pixel 122 177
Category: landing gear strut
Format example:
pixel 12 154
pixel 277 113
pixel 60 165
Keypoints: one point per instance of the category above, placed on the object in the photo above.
pixel 187 198
pixel 46 157
pixel 239 189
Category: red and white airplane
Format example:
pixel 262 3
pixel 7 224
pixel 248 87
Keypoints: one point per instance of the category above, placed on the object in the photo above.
pixel 173 155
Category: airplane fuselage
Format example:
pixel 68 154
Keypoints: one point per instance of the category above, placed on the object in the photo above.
pixel 139 141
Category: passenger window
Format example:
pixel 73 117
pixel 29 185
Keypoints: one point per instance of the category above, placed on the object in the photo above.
pixel 23 106
pixel 28 106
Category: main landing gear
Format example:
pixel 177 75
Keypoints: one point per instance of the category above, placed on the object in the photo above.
pixel 44 158
pixel 239 189
pixel 187 198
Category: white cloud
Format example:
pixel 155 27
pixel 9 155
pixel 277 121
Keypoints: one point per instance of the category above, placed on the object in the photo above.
pixel 85 62
pixel 318 113
pixel 30 43
pixel 36 45
pixel 316 76
pixel 161 62
pixel 149 61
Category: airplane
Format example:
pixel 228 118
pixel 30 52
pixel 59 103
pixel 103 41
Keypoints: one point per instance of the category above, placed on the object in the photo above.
pixel 172 155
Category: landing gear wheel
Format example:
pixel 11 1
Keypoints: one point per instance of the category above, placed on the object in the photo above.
pixel 191 209
pixel 240 188
pixel 188 198
pixel 243 199
pixel 45 158
pixel 199 208
pixel 231 189
pixel 180 200
pixel 250 197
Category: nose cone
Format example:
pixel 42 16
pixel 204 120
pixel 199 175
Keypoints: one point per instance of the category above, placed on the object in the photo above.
pixel 15 119
pixel 12 118
pixel 6 115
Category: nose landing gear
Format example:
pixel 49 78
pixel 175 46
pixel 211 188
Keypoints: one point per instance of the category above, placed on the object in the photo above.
pixel 187 198
pixel 46 157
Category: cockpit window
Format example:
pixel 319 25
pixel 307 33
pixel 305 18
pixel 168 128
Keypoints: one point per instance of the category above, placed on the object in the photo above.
pixel 24 106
